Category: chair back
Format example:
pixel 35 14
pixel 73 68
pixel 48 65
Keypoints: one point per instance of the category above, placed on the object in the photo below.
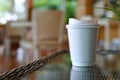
pixel 47 24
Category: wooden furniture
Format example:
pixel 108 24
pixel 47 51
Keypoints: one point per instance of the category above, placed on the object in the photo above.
pixel 12 38
pixel 84 8
pixel 47 32
pixel 2 33
pixel 110 30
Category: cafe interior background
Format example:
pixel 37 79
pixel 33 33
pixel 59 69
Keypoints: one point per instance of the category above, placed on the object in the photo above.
pixel 18 28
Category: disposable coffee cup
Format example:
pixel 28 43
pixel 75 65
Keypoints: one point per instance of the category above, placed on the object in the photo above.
pixel 82 37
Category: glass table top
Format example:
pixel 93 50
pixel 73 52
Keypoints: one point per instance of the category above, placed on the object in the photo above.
pixel 107 67
pixel 59 67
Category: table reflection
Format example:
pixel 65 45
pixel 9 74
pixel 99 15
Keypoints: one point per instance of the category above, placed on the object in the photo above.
pixel 86 73
pixel 68 72
pixel 106 68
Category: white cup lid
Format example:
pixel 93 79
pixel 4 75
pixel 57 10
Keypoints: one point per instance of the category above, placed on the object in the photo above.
pixel 74 23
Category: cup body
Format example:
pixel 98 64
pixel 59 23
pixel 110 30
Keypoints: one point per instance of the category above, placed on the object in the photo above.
pixel 82 43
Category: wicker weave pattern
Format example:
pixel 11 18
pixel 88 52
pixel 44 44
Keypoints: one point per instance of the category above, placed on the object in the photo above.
pixel 18 73
pixel 22 71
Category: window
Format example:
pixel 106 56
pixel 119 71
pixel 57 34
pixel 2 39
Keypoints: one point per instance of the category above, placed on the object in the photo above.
pixel 20 9
pixel 11 10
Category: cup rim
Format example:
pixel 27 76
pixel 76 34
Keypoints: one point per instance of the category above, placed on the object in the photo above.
pixel 81 26
pixel 74 23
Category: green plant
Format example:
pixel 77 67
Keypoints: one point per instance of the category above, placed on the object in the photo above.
pixel 47 4
pixel 114 6
pixel 56 5
pixel 67 58
pixel 70 9
pixel 5 6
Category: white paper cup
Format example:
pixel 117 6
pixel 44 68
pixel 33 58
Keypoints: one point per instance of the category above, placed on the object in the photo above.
pixel 82 35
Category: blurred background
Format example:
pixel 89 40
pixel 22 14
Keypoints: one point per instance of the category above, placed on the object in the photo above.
pixel 20 40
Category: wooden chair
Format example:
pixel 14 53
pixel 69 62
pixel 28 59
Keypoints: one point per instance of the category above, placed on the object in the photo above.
pixel 47 32
pixel 12 38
